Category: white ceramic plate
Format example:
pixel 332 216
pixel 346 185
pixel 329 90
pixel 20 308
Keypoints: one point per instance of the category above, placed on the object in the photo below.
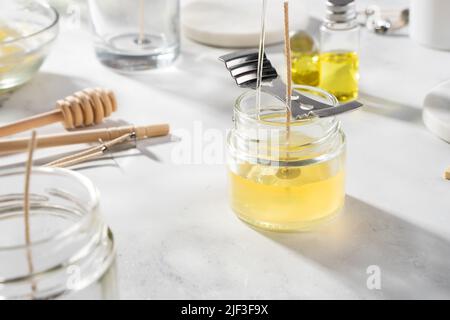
pixel 237 23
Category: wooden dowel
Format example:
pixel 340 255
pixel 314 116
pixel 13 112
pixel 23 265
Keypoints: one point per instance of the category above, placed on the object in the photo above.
pixel 31 122
pixel 74 156
pixel 78 160
pixel 88 136
pixel 89 152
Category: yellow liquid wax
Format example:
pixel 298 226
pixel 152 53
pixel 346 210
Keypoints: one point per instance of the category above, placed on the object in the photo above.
pixel 17 64
pixel 7 50
pixel 288 198
pixel 7 33
pixel 305 68
pixel 339 74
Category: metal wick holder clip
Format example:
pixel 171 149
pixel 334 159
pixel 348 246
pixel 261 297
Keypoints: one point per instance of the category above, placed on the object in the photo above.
pixel 243 66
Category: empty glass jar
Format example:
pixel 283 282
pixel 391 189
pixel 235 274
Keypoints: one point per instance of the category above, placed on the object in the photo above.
pixel 280 179
pixel 70 254
pixel 136 35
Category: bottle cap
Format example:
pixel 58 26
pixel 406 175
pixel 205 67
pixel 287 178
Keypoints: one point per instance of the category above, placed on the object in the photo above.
pixel 340 11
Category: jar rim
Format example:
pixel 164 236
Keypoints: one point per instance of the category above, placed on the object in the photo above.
pixel 53 23
pixel 92 205
pixel 256 137
pixel 331 99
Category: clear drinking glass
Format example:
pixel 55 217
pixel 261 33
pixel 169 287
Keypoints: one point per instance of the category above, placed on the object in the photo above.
pixel 70 254
pixel 136 35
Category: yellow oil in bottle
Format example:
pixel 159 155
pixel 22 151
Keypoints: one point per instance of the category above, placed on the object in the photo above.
pixel 339 74
pixel 288 198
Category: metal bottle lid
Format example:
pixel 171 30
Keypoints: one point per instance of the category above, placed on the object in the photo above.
pixel 340 11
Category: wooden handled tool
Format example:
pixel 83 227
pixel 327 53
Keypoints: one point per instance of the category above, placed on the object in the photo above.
pixel 83 108
pixel 48 141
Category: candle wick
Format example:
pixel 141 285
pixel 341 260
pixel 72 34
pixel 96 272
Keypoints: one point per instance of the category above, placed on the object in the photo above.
pixel 26 206
pixel 141 39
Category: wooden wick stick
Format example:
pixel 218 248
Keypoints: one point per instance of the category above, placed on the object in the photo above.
pixel 26 207
pixel 83 153
pixel 287 52
pixel 78 160
pixel 88 154
pixel 141 22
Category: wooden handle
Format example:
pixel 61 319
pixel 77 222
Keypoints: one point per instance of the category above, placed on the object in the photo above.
pixel 83 108
pixel 142 132
pixel 31 122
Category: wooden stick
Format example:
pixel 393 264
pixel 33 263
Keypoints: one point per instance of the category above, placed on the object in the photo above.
pixel 83 108
pixel 71 157
pixel 88 136
pixel 32 122
pixel 87 154
pixel 78 160
pixel 287 51
pixel 26 206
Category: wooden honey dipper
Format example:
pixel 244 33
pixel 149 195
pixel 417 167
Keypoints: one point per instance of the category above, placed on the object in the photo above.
pixel 83 108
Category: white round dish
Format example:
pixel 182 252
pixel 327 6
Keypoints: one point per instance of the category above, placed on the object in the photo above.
pixel 237 23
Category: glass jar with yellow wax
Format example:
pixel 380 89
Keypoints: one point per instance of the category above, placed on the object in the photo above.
pixel 285 178
pixel 27 31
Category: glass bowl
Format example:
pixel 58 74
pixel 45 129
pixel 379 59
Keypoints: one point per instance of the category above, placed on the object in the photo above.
pixel 27 30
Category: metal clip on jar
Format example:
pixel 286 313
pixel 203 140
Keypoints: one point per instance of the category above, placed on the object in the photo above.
pixel 71 252
pixel 284 181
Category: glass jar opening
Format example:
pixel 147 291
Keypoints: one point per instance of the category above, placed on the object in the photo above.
pixel 272 111
pixel 61 202
pixel 65 235
pixel 262 133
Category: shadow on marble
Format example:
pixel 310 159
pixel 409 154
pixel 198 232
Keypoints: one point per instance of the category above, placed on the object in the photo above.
pixel 41 93
pixel 391 109
pixel 210 85
pixel 414 262
pixel 402 33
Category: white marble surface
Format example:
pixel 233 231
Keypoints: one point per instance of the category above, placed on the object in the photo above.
pixel 176 236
